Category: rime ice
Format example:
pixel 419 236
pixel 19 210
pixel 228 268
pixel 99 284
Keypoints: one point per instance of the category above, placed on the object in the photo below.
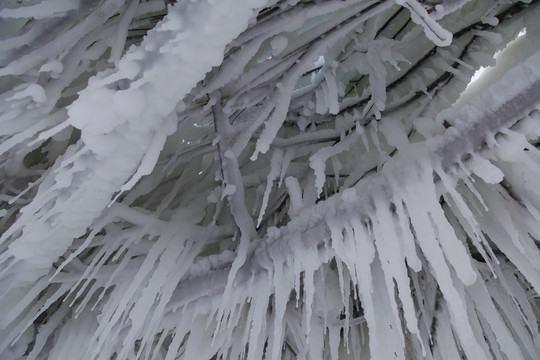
pixel 248 179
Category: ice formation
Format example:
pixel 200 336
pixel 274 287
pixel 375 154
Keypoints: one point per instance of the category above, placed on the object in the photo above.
pixel 249 179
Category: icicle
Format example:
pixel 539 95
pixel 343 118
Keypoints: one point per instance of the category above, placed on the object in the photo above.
pixel 287 157
pixel 461 206
pixel 444 337
pixel 314 343
pixel 258 307
pixel 425 236
pixel 513 288
pixel 318 160
pixel 116 312
pixel 45 330
pixel 157 288
pixel 273 124
pixel 275 167
pixel 334 339
pixel 383 336
pixel 511 316
pixel 295 196
pixel 365 255
pixel 360 130
pixel 321 105
pixel 501 226
pixel 282 286
pixel 453 248
pixel 331 92
pixel 485 306
pixel 377 76
pixel 309 267
pixel 393 264
pixel 406 237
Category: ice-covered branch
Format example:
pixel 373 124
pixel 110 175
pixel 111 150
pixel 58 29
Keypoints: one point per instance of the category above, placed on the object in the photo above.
pixel 450 150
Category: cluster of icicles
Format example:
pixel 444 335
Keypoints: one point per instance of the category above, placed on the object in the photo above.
pixel 434 255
